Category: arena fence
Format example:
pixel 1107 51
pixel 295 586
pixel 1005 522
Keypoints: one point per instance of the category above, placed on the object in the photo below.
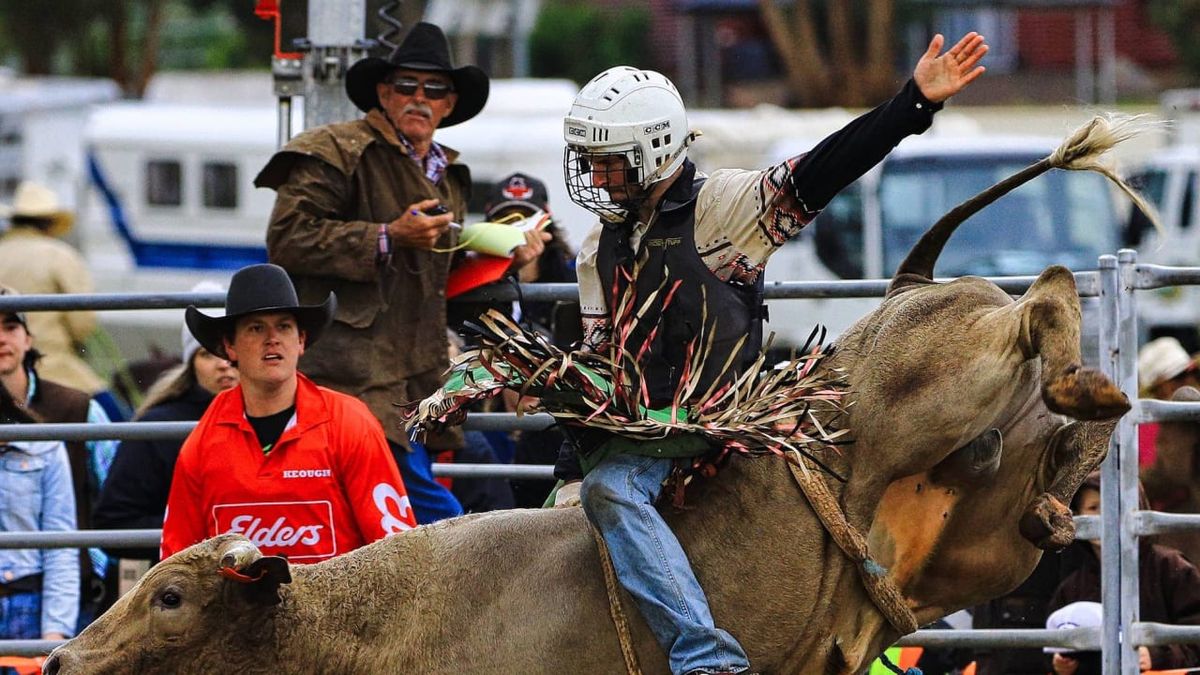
pixel 1115 284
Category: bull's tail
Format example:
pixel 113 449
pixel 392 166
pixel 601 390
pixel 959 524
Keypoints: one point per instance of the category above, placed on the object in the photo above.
pixel 1081 151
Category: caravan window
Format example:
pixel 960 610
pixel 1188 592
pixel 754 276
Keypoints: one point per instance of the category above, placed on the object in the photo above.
pixel 220 185
pixel 1152 184
pixel 164 183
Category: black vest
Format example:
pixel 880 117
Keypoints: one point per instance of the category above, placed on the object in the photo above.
pixel 669 252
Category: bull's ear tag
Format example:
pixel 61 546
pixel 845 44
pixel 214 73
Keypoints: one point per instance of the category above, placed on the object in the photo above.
pixel 234 575
pixel 261 579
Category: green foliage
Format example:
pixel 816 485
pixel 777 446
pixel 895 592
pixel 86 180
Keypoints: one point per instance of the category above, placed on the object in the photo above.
pixel 1180 18
pixel 90 37
pixel 577 41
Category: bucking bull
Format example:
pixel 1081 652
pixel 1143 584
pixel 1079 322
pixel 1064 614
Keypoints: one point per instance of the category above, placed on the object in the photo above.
pixel 973 420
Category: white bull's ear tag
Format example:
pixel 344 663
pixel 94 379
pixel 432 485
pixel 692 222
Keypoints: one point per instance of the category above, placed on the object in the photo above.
pixel 261 579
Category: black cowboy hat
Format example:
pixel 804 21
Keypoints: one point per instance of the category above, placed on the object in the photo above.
pixel 255 289
pixel 424 48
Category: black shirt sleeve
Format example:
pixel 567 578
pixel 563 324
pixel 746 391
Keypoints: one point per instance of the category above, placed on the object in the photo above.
pixel 848 153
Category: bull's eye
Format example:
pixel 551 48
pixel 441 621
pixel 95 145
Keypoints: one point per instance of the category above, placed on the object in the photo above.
pixel 170 599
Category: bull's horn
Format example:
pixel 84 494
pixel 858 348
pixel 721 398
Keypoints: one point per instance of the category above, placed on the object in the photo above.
pixel 238 554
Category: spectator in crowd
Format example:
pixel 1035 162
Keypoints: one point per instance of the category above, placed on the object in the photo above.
pixel 364 208
pixel 1168 584
pixel 300 470
pixel 39 588
pixel 1023 607
pixel 135 494
pixel 52 402
pixel 33 260
pixel 1163 367
pixel 521 195
pixel 664 225
pixel 1075 615
pixel 1173 480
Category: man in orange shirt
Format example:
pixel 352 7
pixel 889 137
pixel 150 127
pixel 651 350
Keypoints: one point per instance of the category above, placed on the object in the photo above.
pixel 301 470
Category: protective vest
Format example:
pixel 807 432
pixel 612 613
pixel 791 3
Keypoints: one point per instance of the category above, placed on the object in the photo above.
pixel 668 252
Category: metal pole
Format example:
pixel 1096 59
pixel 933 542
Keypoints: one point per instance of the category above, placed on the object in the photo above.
pixel 287 74
pixel 284 121
pixel 1087 283
pixel 1085 84
pixel 1106 44
pixel 685 60
pixel 335 41
pixel 1110 554
pixel 1128 462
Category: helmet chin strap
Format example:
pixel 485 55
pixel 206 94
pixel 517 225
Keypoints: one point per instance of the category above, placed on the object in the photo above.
pixel 656 175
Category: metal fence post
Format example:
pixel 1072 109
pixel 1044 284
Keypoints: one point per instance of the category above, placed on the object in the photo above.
pixel 1110 587
pixel 1127 483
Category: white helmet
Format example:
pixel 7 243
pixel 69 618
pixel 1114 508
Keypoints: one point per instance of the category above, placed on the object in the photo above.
pixel 630 112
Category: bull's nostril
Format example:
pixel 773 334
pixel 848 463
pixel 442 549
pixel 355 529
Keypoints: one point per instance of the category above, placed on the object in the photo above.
pixel 52 665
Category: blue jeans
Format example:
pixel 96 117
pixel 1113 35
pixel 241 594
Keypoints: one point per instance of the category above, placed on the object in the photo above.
pixel 618 497
pixel 21 616
pixel 430 500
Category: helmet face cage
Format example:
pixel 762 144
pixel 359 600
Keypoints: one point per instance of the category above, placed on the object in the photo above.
pixel 579 169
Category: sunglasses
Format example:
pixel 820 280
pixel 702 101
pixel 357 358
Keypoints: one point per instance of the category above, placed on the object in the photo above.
pixel 434 90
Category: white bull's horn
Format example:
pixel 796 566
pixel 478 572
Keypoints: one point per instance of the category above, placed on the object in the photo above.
pixel 238 554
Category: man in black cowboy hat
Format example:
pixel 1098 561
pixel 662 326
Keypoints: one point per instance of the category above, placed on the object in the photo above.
pixel 364 209
pixel 300 470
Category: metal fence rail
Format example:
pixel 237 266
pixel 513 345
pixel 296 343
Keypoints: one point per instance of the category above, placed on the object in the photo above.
pixel 1121 522
pixel 1087 283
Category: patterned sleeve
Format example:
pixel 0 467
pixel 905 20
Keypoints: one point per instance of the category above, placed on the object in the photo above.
pixel 592 301
pixel 742 217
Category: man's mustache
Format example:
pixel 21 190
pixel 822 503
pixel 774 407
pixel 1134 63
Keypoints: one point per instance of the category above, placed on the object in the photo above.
pixel 420 108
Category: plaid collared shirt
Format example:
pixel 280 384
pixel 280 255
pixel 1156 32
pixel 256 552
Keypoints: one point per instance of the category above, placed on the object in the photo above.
pixel 435 161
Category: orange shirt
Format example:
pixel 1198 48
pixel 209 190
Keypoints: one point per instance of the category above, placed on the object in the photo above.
pixel 329 485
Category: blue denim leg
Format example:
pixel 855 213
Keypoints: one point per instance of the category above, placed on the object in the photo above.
pixel 618 497
pixel 21 616
pixel 430 500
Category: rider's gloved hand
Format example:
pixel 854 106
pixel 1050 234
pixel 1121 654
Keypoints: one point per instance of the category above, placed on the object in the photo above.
pixel 567 495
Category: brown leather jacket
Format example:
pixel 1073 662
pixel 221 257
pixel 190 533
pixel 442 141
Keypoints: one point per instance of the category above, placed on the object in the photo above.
pixel 336 184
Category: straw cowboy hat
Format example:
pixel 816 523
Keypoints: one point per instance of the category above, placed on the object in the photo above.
pixel 425 48
pixel 1161 360
pixel 256 289
pixel 36 204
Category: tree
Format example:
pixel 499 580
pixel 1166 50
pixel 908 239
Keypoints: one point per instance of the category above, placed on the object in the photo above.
pixel 1180 19
pixel 125 39
pixel 834 52
pixel 113 38
pixel 577 41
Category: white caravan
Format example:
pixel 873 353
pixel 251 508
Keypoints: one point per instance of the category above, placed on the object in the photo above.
pixel 41 131
pixel 171 199
pixel 1171 180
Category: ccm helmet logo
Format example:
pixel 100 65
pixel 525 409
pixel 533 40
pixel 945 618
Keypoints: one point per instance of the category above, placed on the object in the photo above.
pixel 655 128
pixel 577 131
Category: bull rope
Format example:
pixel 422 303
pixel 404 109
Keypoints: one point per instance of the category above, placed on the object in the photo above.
pixel 880 588
pixel 614 604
